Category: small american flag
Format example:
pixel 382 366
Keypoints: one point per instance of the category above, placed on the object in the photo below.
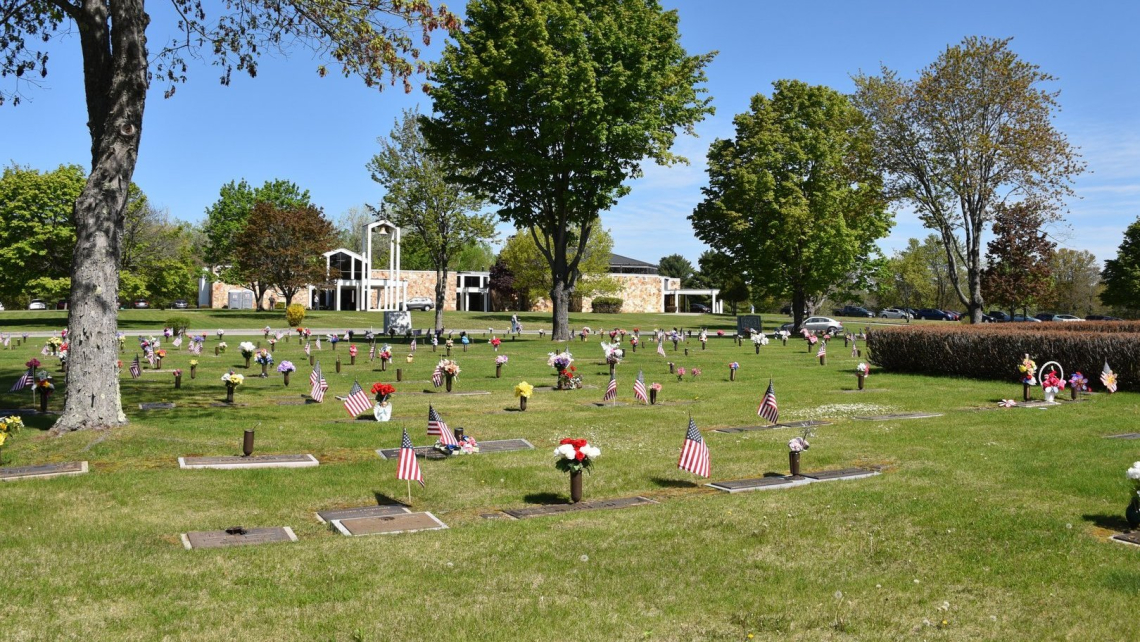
pixel 372 353
pixel 177 342
pixel 639 388
pixel 357 401
pixel 822 349
pixel 695 452
pixel 413 346
pixel 1108 378
pixel 46 351
pixel 7 339
pixel 151 358
pixel 195 348
pixel 437 377
pixel 136 368
pixel 24 381
pixel 660 349
pixel 319 343
pixel 409 467
pixel 437 426
pixel 854 349
pixel 317 384
pixel 768 409
pixel 611 390
pixel 308 350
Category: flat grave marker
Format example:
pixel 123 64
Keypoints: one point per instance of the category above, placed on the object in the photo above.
pixel 8 412
pixel 156 405
pixel 383 510
pixel 291 402
pixel 494 446
pixel 254 461
pixel 222 404
pixel 790 424
pixel 761 483
pixel 553 389
pixel 250 536
pixel 598 504
pixel 1127 435
pixel 842 473
pixel 388 524
pixel 456 393
pixel 1127 538
pixel 900 415
pixel 43 471
pixel 606 404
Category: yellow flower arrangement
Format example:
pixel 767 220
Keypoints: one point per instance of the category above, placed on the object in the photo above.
pixel 524 389
pixel 10 425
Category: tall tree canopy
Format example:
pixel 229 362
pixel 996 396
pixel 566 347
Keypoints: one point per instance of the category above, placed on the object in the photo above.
pixel 283 246
pixel 531 272
pixel 974 131
pixel 1019 255
pixel 374 39
pixel 795 198
pixel 420 200
pixel 1121 275
pixel 675 265
pixel 546 108
pixel 1076 280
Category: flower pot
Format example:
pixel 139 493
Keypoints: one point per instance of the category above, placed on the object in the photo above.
pixel 178 382
pixel 312 360
pixel 861 378
pixel 1025 391
pixel 264 372
pixel 157 364
pixel 383 365
pixel 399 374
pixel 575 487
pixel 498 370
pixel 193 372
pixel 247 443
pixel 1132 513
pixel 286 379
pixel 338 365
pixel 732 374
pixel 247 363
pixel 652 396
pixel 522 404
pixel 757 346
pixel 229 394
pixel 794 463
pixel 1050 394
pixel 447 381
pixel 352 360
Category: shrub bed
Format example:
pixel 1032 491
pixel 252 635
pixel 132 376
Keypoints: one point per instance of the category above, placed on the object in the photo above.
pixel 607 304
pixel 989 352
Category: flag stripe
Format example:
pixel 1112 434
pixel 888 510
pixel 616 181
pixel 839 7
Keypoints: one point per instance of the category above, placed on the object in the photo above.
pixel 357 402
pixel 768 408
pixel 695 452
pixel 408 468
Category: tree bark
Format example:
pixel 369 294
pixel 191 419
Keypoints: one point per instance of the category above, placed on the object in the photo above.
pixel 440 293
pixel 115 78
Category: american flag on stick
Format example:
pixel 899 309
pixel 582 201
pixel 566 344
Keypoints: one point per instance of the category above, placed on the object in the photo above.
pixel 136 367
pixel 317 384
pixel 372 353
pixel 178 342
pixel 46 351
pixel 195 348
pixel 639 388
pixel 409 468
pixel 308 350
pixel 318 343
pixel 357 401
pixel 611 390
pixel 412 347
pixel 854 349
pixel 660 348
pixel 151 358
pixel 437 426
pixel 1108 378
pixel 24 381
pixel 822 349
pixel 437 377
pixel 695 452
pixel 768 409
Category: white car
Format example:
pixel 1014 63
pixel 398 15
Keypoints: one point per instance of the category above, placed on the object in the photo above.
pixel 1056 317
pixel 420 303
pixel 895 313
pixel 823 324
pixel 37 304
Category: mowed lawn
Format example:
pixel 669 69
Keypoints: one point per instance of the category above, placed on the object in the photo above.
pixel 985 524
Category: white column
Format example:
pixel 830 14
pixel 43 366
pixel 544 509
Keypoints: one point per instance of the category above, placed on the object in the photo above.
pixel 714 301
pixel 337 294
pixel 400 298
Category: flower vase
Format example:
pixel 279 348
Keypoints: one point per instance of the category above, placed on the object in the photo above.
pixel 286 379
pixel 613 366
pixel 794 463
pixel 1132 513
pixel 448 351
pixel 447 381
pixel 634 346
pixel 522 404
pixel 229 394
pixel 264 373
pixel 686 352
pixel 861 378
pixel 399 374
pixel 193 372
pixel 382 411
pixel 785 341
pixel 43 402
pixel 823 359
pixel 312 360
pixel 157 364
pixel 732 374
pixel 671 368
pixel 758 348
pixel 1073 392
pixel 433 347
pixel 498 370
pixel 247 363
pixel 575 487
pixel 383 365
pixel 178 382
pixel 652 397
pixel 217 351
pixel 1050 394
pixel 674 346
pixel 352 360
pixel 1024 391
pixel 465 347
pixel 338 365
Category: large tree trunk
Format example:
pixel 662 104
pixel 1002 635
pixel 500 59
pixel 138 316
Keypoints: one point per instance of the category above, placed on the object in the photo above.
pixel 799 300
pixel 115 76
pixel 560 302
pixel 440 293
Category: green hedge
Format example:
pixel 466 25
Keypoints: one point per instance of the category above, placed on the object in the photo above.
pixel 607 304
pixel 994 352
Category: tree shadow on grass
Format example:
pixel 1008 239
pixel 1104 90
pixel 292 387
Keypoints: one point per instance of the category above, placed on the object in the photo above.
pixel 1111 522
pixel 544 498
pixel 664 482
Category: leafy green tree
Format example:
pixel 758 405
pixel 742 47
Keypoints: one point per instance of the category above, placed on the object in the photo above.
pixel 37 234
pixel 1017 274
pixel 420 200
pixel 531 272
pixel 283 247
pixel 228 218
pixel 1121 275
pixel 475 256
pixel 794 198
pixel 974 131
pixel 717 271
pixel 677 266
pixel 1076 278
pixel 375 40
pixel 547 108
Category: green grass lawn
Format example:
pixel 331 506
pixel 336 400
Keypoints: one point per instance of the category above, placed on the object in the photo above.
pixel 992 520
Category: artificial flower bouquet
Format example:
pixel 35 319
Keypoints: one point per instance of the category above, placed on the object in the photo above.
pixel 466 446
pixel 264 358
pixel 1078 382
pixel 560 360
pixel 524 389
pixel 501 359
pixel 233 379
pixel 382 392
pixel 734 366
pixel 385 353
pixel 449 367
pixel 614 354
pixel 1028 370
pixel 575 455
pixel 569 379
pixel 283 367
pixel 798 445
pixel 863 369
pixel 1052 383
pixel 247 349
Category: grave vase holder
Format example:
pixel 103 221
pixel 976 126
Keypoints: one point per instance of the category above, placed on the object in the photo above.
pixel 674 346
pixel 229 394
pixel 247 443
pixel 794 463
pixel 785 341
pixel 1024 391
pixel 498 370
pixel 704 344
pixel 634 346
pixel 757 348
pixel 247 363
pixel 448 351
pixel 823 359
pixel 217 351
pixel 264 372
pixel 861 380
pixel 522 404
pixel 686 352
pixel 652 397
pixel 465 347
pixel 193 372
pixel 575 487
pixel 352 360
pixel 613 366
pixel 671 369
pixel 177 382
pixel 157 364
pixel 43 401
pixel 338 365
pixel 286 379
pixel 312 360
pixel 1132 513
pixel 447 381
pixel 399 374
pixel 1050 394
pixel 732 374
pixel 383 365
pixel 1073 392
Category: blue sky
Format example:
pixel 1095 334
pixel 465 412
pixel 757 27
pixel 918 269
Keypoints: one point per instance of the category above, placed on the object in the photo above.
pixel 288 123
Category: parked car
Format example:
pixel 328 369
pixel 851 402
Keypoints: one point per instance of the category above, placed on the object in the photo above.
pixel 954 316
pixel 421 303
pixel 180 304
pixel 1021 318
pixel 1066 318
pixel 37 304
pixel 853 311
pixel 700 307
pixel 61 304
pixel 823 324
pixel 1101 317
pixel 895 313
pixel 1044 316
pixel 932 315
pixel 998 316
pixel 140 304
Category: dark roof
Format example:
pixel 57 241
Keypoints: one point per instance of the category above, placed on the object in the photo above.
pixel 617 260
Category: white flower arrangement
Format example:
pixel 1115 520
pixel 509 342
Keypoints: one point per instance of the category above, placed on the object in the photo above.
pixel 246 348
pixel 1133 474
pixel 798 444
pixel 760 339
pixel 614 354
pixel 863 369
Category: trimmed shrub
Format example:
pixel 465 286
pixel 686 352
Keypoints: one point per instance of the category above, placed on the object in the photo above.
pixel 280 305
pixel 607 304
pixel 994 352
pixel 178 323
pixel 295 314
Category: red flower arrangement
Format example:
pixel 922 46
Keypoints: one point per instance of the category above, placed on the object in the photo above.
pixel 34 363
pixel 495 341
pixel 383 389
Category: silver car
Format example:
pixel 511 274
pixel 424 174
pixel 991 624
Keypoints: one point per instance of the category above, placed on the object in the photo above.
pixel 37 304
pixel 823 324
pixel 420 303
pixel 894 313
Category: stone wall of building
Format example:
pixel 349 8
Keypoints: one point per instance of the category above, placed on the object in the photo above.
pixel 220 295
pixel 639 293
pixel 420 283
